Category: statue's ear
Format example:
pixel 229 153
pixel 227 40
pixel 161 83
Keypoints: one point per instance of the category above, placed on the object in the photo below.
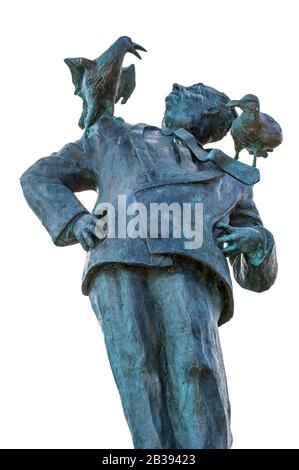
pixel 77 67
pixel 212 110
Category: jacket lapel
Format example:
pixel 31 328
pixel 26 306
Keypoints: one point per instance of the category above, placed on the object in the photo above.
pixel 145 160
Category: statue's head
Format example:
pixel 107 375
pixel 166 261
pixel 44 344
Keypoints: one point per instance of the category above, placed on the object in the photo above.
pixel 199 109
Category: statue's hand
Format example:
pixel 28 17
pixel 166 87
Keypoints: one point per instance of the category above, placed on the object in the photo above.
pixel 247 240
pixel 84 229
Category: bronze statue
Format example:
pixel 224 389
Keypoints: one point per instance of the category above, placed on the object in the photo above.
pixel 159 291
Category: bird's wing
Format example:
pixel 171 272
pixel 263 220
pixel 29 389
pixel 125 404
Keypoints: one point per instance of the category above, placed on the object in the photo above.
pixel 126 84
pixel 77 67
pixel 270 121
pixel 271 132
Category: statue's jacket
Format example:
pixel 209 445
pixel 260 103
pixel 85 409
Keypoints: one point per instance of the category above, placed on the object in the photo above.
pixel 143 163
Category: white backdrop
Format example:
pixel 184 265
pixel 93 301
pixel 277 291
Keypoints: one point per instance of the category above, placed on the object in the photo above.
pixel 56 389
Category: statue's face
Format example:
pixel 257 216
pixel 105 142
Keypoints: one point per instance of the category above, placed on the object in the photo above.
pixel 183 107
pixel 199 109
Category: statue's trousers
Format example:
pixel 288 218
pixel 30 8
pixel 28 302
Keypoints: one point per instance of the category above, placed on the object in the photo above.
pixel 161 333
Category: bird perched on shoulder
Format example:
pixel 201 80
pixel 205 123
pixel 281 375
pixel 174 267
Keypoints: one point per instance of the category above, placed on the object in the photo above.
pixel 259 133
pixel 102 82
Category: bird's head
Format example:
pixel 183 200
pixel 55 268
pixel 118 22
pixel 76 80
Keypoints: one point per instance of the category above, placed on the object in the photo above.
pixel 249 103
pixel 126 44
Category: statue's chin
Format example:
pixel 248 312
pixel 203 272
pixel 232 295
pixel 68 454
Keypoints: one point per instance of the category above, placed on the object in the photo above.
pixel 168 121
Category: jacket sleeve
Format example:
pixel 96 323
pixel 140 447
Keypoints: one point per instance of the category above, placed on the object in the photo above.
pixel 254 271
pixel 49 186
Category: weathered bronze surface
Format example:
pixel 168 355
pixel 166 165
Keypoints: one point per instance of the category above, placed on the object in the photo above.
pixel 159 302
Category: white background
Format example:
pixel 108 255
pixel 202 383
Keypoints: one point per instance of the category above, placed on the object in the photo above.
pixel 56 389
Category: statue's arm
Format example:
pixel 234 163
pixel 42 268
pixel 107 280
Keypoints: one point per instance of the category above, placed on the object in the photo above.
pixel 257 270
pixel 49 186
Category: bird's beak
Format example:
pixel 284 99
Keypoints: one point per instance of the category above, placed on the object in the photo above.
pixel 136 47
pixel 233 104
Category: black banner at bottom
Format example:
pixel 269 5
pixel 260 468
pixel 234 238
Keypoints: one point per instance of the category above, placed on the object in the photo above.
pixel 139 458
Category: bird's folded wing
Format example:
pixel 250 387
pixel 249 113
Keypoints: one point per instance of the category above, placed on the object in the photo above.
pixel 126 84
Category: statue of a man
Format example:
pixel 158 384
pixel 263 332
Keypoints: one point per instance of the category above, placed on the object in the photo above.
pixel 159 303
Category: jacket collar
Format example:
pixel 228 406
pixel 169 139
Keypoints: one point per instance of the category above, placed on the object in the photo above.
pixel 240 171
pixel 147 163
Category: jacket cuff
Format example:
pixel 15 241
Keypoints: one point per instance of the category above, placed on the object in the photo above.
pixel 260 255
pixel 66 236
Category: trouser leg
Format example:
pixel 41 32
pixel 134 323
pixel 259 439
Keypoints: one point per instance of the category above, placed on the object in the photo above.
pixel 188 306
pixel 123 304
